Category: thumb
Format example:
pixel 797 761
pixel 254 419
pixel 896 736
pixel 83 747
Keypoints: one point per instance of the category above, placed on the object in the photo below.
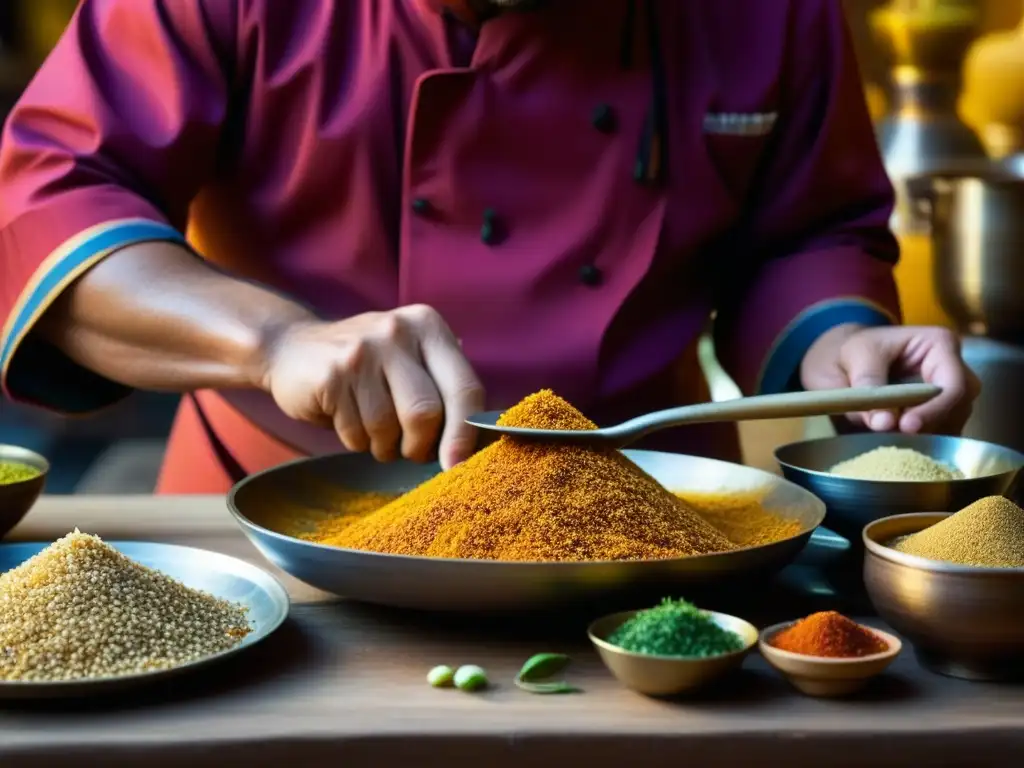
pixel 867 364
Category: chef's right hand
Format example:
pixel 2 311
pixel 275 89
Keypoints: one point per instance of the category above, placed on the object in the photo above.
pixel 388 382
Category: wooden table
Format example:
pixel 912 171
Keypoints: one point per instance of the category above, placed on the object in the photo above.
pixel 344 685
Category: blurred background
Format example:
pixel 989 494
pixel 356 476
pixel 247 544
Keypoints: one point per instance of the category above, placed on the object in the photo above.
pixel 945 83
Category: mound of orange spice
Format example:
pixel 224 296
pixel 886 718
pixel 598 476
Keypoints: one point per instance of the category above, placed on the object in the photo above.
pixel 518 501
pixel 831 635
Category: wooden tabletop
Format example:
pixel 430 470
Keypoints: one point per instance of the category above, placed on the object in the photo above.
pixel 341 684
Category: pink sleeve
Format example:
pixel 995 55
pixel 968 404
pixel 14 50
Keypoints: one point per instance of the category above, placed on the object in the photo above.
pixel 106 148
pixel 820 249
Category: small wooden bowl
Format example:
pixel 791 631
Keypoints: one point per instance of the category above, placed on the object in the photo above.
pixel 827 677
pixel 16 499
pixel 668 675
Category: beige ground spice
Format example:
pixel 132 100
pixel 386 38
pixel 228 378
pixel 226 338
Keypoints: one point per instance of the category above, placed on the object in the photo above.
pixel 989 533
pixel 895 464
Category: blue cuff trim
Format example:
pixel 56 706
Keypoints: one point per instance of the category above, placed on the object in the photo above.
pixel 39 373
pixel 784 361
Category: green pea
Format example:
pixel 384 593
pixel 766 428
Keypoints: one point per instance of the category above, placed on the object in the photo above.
pixel 470 678
pixel 441 676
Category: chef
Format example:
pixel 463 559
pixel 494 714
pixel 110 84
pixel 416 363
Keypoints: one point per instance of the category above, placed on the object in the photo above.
pixel 356 222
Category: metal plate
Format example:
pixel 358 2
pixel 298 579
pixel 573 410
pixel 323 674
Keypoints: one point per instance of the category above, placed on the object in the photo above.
pixel 264 504
pixel 220 575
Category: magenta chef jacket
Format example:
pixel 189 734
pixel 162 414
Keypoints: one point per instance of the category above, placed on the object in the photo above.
pixel 575 188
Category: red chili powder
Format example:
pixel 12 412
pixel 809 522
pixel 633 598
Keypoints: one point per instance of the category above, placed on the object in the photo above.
pixel 829 634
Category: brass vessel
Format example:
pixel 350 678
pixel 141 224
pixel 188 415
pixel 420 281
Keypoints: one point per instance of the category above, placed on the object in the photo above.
pixel 962 621
pixel 925 42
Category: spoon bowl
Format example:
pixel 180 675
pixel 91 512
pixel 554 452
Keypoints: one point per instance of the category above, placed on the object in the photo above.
pixel 785 406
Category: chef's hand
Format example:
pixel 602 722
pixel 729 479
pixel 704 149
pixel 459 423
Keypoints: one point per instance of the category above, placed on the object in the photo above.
pixel 855 356
pixel 387 382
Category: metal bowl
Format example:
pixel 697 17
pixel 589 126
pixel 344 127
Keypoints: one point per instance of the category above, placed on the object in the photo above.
pixel 668 675
pixel 988 468
pixel 977 235
pixel 220 575
pixel 264 503
pixel 16 499
pixel 963 621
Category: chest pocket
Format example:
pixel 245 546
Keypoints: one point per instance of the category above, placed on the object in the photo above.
pixel 736 142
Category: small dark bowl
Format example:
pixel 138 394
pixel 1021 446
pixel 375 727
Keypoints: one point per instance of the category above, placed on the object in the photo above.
pixel 16 499
pixel 988 470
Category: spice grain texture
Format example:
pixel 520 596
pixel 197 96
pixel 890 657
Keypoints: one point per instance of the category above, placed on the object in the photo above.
pixel 675 628
pixel 80 609
pixel 895 464
pixel 831 635
pixel 518 501
pixel 16 472
pixel 988 533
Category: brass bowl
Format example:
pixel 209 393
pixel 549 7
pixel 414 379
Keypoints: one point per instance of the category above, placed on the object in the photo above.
pixel 16 499
pixel 668 675
pixel 963 621
pixel 851 504
pixel 827 677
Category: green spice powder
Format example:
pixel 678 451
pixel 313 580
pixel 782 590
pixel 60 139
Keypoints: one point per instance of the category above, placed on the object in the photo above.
pixel 13 472
pixel 675 628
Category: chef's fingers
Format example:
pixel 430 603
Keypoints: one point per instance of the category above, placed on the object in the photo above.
pixel 347 422
pixel 378 415
pixel 418 405
pixel 867 364
pixel 460 390
pixel 949 410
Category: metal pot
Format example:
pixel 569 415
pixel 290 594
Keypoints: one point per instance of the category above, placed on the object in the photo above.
pixel 977 231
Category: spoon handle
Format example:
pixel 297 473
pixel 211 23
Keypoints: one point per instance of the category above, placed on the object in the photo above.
pixel 824 402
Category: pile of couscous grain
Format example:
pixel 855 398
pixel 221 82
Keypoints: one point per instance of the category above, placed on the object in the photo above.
pixel 80 609
pixel 889 463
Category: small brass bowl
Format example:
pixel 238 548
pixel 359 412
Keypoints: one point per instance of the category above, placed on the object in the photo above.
pixel 963 621
pixel 827 677
pixel 668 675
pixel 16 499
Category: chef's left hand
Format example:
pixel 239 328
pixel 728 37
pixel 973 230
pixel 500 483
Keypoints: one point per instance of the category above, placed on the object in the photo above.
pixel 855 356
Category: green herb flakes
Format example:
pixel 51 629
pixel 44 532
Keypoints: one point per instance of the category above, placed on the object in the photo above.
pixel 675 628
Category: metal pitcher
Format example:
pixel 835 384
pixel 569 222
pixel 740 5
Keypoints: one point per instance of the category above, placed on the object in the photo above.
pixel 977 231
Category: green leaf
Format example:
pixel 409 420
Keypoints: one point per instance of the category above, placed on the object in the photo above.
pixel 542 666
pixel 547 688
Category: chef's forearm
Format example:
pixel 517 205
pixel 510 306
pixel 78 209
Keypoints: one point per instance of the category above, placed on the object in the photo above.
pixel 154 316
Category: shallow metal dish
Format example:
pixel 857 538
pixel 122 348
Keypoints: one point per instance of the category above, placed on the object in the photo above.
pixel 963 621
pixel 988 468
pixel 16 499
pixel 264 503
pixel 220 575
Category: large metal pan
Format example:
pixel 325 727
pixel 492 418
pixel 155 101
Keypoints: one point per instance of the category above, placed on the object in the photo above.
pixel 264 503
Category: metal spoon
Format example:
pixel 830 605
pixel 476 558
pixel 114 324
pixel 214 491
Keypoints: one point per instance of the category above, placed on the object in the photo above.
pixel 789 405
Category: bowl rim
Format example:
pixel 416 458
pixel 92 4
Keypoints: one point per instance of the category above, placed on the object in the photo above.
pixel 906 560
pixel 896 483
pixel 767 649
pixel 35 455
pixel 603 644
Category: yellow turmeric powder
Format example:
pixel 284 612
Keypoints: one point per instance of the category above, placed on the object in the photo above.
pixel 520 501
pixel 741 516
